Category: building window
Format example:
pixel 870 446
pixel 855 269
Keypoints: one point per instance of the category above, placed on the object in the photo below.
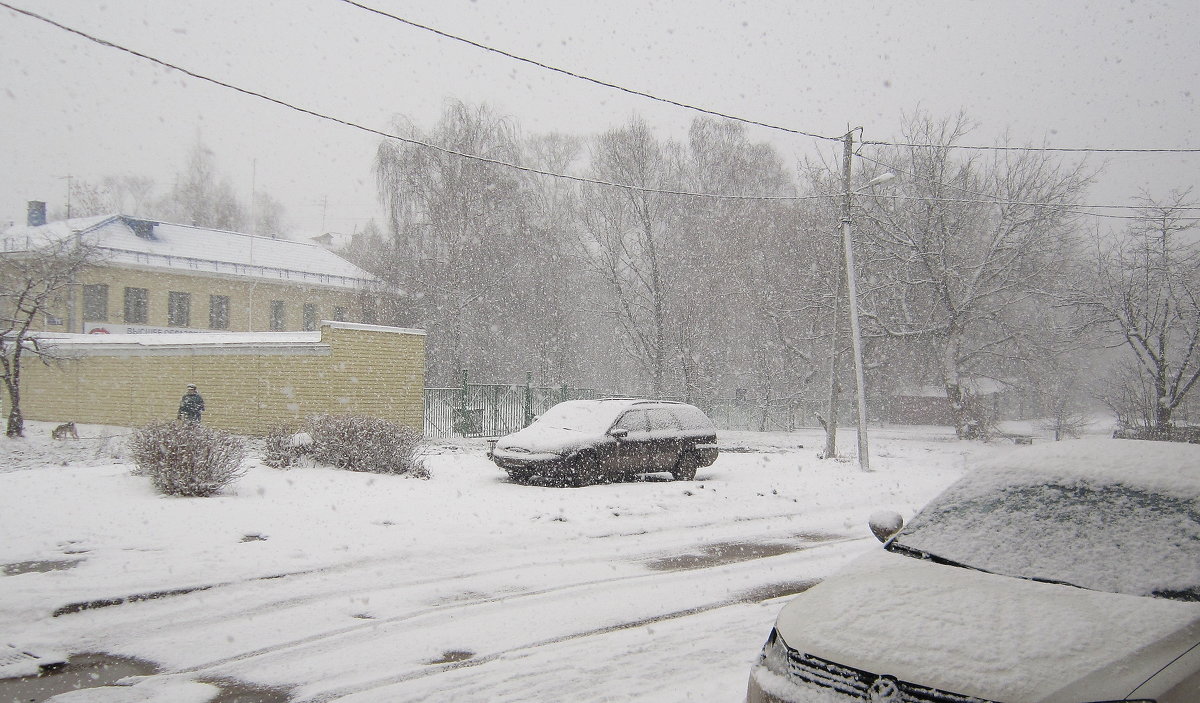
pixel 310 316
pixel 137 305
pixel 278 316
pixel 179 309
pixel 339 314
pixel 218 312
pixel 95 303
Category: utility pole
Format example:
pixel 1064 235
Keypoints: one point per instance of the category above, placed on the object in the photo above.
pixel 835 358
pixel 864 458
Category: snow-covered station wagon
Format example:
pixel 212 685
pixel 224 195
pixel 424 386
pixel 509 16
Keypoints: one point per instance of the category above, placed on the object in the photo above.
pixel 582 441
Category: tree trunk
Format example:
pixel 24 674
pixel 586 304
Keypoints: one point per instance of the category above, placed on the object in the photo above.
pixel 16 420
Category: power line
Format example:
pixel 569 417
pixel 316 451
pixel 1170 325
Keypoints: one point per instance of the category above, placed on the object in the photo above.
pixel 650 96
pixel 1060 149
pixel 541 172
pixel 986 198
pixel 583 77
pixel 991 198
pixel 389 135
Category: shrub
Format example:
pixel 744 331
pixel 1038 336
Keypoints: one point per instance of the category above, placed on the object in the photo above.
pixel 285 446
pixel 359 443
pixel 186 458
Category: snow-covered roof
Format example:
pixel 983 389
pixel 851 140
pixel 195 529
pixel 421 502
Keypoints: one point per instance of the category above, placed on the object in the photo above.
pixel 240 342
pixel 142 243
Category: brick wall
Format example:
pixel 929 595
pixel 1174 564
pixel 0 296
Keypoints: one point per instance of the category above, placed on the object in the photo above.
pixel 249 299
pixel 250 382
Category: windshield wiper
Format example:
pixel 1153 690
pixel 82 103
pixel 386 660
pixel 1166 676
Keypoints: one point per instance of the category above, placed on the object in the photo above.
pixel 915 553
pixel 1057 582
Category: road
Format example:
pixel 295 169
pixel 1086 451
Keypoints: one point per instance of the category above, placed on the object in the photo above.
pixel 646 591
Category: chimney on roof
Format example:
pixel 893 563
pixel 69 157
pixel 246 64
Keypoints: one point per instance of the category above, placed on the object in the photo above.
pixel 142 228
pixel 37 213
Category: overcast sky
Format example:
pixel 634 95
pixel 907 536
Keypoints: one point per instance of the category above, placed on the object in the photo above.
pixel 1073 74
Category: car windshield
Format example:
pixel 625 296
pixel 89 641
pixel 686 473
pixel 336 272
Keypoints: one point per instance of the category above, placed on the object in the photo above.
pixel 1106 537
pixel 580 416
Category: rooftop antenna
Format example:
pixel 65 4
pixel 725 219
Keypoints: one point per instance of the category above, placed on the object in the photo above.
pixel 67 178
pixel 253 176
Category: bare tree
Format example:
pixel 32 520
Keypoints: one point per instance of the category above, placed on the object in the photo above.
pixel 962 256
pixel 128 195
pixel 467 245
pixel 202 196
pixel 738 324
pixel 269 220
pixel 1143 290
pixel 33 284
pixel 626 240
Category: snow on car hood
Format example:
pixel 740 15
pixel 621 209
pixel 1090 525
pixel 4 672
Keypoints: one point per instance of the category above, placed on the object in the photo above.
pixel 543 439
pixel 984 635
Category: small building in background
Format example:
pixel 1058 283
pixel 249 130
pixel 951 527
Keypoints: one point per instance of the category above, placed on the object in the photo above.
pixel 929 404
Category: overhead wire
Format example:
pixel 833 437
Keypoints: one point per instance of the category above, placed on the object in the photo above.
pixel 1061 149
pixel 389 135
pixel 987 198
pixel 528 169
pixel 582 77
pixel 651 96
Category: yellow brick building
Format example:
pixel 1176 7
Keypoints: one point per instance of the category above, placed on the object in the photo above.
pixel 250 381
pixel 273 331
pixel 160 277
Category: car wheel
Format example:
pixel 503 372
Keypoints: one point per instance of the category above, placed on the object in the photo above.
pixel 574 473
pixel 685 468
pixel 519 475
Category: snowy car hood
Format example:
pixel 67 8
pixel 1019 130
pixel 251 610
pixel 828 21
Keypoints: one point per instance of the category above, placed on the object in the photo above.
pixel 538 439
pixel 994 637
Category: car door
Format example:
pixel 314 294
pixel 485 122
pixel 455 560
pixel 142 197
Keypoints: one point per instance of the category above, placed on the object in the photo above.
pixel 633 449
pixel 665 440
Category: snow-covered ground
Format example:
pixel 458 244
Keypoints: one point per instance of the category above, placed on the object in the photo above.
pixel 333 585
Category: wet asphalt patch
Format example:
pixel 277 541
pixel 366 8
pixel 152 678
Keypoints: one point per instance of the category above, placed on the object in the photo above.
pixel 723 553
pixel 453 656
pixel 94 670
pixel 88 670
pixel 39 567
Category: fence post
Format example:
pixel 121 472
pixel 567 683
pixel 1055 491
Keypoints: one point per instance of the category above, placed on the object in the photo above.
pixel 564 397
pixel 496 409
pixel 528 398
pixel 463 400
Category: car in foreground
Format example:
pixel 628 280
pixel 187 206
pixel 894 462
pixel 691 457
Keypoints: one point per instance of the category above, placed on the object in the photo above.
pixel 1063 573
pixel 584 441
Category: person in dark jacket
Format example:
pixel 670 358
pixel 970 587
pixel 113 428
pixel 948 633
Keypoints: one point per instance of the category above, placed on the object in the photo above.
pixel 191 405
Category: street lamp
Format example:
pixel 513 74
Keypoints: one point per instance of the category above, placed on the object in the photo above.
pixel 864 457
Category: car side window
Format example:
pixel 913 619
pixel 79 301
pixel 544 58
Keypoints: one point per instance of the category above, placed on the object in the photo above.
pixel 662 420
pixel 634 421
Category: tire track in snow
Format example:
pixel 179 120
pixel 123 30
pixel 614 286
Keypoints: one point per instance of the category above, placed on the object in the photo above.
pixel 437 615
pixel 348 568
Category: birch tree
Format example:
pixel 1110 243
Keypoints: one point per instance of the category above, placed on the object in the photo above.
pixel 466 245
pixel 625 238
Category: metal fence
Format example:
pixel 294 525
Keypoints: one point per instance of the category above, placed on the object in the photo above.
pixel 495 409
pixel 763 415
pixel 491 409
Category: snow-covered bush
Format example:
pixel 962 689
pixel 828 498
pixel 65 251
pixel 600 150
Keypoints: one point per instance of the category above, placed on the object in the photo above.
pixel 360 443
pixel 186 458
pixel 285 446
